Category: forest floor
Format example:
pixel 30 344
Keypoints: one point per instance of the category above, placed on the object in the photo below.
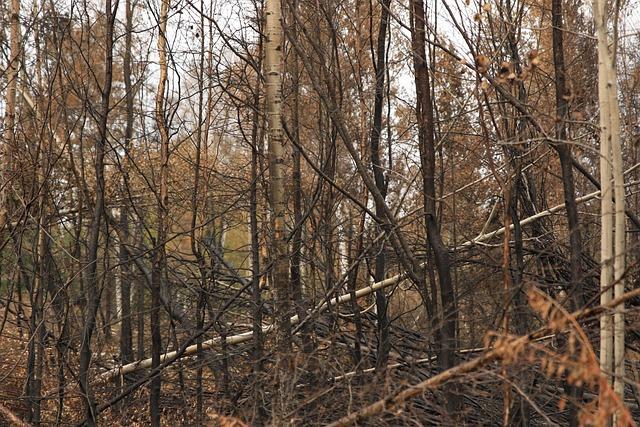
pixel 13 353
pixel 178 401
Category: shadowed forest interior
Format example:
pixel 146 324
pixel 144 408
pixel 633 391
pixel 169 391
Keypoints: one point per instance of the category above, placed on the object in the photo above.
pixel 327 212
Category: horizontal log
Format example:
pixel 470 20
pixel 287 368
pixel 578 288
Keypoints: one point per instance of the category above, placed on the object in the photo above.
pixel 245 336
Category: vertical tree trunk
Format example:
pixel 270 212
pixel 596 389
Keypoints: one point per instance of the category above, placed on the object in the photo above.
pixel 8 137
pixel 564 153
pixel 619 264
pixel 352 284
pixel 93 291
pixel 609 137
pixel 126 340
pixel 37 294
pixel 195 245
pixel 296 250
pixel 446 334
pixel 506 282
pixel 159 256
pixel 327 205
pixel 273 70
pixel 108 290
pixel 259 413
pixel 140 309
pixel 606 204
pixel 384 343
pixel 613 248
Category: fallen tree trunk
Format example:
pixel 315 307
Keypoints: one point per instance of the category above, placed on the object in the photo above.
pixel 486 236
pixel 394 401
pixel 247 336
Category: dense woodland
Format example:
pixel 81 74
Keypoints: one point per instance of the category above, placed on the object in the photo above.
pixel 294 212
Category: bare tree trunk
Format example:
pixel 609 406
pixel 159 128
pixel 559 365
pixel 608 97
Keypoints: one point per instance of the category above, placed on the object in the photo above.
pixel 384 343
pixel 37 299
pixel 606 202
pixel 619 264
pixel 195 245
pixel 159 256
pixel 507 285
pixel 126 340
pixel 259 412
pixel 93 290
pixel 108 290
pixel 446 333
pixel 296 250
pixel 140 350
pixel 564 153
pixel 10 112
pixel 352 285
pixel 328 149
pixel 281 285
pixel 273 70
pixel 613 248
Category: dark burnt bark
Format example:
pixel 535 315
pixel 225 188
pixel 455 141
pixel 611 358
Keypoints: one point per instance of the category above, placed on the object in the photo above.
pixel 576 291
pixel 126 337
pixel 384 343
pixel 446 333
pixel 93 288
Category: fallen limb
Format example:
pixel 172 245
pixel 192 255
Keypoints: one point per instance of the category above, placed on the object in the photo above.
pixel 421 361
pixel 500 231
pixel 393 401
pixel 245 336
pixel 13 419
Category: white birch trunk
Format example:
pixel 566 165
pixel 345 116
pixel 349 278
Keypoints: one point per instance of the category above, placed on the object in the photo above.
pixel 613 248
pixel 279 250
pixel 606 203
pixel 8 136
pixel 620 232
